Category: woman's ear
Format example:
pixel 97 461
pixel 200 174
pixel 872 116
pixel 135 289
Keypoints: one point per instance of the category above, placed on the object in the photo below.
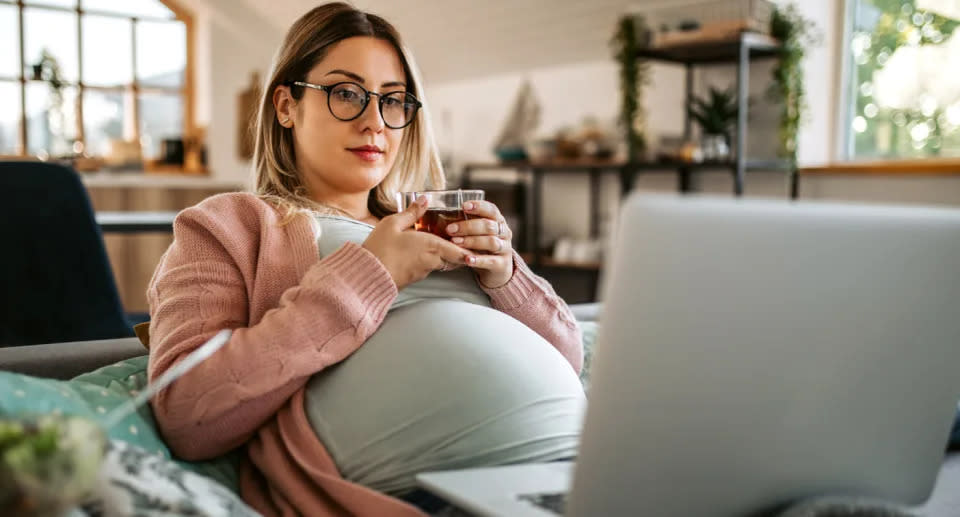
pixel 285 105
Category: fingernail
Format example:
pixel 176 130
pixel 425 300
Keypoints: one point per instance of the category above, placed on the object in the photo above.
pixel 468 206
pixel 458 240
pixel 471 260
pixel 451 229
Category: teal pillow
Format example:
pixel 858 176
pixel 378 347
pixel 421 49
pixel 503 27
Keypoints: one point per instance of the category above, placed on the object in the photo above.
pixel 93 395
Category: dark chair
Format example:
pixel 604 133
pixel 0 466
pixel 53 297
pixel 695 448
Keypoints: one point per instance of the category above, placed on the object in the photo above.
pixel 56 284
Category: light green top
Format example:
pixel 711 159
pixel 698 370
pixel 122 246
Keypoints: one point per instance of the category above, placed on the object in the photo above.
pixel 445 382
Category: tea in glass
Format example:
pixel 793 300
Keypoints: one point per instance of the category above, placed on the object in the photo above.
pixel 444 207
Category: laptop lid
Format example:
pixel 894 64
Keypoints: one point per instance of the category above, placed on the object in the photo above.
pixel 752 353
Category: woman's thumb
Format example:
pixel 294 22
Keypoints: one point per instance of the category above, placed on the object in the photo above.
pixel 412 214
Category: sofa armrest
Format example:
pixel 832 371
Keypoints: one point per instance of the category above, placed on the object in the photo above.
pixel 67 360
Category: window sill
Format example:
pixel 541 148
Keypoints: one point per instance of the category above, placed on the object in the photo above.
pixel 929 167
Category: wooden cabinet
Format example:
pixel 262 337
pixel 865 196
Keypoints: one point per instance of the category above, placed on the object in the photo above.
pixel 133 257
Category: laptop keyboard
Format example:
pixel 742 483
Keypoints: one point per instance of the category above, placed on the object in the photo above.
pixel 556 503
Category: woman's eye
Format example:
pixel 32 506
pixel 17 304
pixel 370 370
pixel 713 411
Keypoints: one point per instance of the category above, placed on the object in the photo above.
pixel 347 95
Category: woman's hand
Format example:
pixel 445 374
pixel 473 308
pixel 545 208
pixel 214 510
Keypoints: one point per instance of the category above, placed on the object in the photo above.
pixel 409 255
pixel 489 234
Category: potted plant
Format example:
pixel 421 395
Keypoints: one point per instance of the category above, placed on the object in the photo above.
pixel 715 115
pixel 47 69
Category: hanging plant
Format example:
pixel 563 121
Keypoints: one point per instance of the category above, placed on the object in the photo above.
pixel 795 33
pixel 626 44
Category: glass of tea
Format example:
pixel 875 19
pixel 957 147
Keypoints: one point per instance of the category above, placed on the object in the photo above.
pixel 444 207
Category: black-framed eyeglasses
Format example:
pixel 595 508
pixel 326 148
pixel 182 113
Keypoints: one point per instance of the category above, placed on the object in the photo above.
pixel 347 100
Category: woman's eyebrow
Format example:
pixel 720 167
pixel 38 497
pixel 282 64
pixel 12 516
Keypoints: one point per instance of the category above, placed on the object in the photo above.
pixel 360 80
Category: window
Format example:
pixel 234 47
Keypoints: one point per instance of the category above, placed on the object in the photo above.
pixel 903 88
pixel 77 74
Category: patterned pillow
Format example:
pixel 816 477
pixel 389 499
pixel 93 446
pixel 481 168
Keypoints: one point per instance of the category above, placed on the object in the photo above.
pixel 93 395
pixel 133 481
pixel 589 331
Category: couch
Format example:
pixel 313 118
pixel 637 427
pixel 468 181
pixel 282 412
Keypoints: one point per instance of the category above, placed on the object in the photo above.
pixel 106 367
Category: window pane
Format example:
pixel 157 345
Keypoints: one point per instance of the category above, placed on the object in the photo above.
pixel 103 115
pixel 107 51
pixel 151 8
pixel 51 119
pixel 55 31
pixel 906 96
pixel 161 116
pixel 59 3
pixel 9 117
pixel 9 42
pixel 161 53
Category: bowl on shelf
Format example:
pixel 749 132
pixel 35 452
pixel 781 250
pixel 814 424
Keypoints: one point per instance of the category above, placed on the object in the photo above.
pixel 511 154
pixel 542 150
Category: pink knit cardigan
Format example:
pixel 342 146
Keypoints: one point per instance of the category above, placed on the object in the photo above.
pixel 233 265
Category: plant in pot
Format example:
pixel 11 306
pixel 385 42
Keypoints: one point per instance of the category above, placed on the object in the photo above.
pixel 47 69
pixel 715 115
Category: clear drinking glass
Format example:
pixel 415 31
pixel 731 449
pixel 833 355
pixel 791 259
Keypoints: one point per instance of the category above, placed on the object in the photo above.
pixel 443 207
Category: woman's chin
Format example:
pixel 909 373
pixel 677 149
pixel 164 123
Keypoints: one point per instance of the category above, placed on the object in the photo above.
pixel 366 178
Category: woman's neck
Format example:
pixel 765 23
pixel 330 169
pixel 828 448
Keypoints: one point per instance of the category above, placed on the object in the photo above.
pixel 352 205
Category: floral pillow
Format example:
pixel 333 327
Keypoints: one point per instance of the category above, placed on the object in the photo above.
pixel 589 330
pixel 133 481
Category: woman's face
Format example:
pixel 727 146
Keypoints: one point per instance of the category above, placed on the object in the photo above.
pixel 336 157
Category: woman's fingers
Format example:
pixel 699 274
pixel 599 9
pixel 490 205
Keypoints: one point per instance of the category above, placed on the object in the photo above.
pixel 488 243
pixel 482 209
pixel 446 252
pixel 489 262
pixel 480 227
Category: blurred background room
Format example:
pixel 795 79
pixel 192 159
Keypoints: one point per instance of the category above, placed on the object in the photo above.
pixel 554 107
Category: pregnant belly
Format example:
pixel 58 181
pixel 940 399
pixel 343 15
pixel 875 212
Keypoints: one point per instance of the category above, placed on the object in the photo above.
pixel 445 384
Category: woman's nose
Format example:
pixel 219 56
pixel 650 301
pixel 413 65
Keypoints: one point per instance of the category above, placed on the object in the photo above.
pixel 371 118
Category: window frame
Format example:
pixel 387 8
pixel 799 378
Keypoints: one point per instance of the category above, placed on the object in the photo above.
pixel 132 90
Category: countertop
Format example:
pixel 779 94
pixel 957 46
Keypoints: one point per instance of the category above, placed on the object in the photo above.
pixel 155 180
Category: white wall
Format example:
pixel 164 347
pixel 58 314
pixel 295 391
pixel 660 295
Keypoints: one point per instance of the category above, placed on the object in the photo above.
pixel 231 43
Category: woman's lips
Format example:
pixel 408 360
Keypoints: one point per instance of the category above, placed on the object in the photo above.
pixel 367 154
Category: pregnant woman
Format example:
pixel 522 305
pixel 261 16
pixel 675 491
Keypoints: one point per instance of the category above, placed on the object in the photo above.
pixel 362 351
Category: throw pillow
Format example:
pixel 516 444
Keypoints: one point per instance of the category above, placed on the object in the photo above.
pixel 93 395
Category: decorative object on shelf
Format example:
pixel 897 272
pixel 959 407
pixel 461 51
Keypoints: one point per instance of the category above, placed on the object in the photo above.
pixel 708 20
pixel 123 155
pixel 578 251
pixel 194 152
pixel 247 101
pixel 796 33
pixel 522 121
pixel 568 145
pixel 541 149
pixel 632 34
pixel 597 141
pixel 47 69
pixel 715 115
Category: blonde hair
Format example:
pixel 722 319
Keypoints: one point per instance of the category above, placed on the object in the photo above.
pixel 276 178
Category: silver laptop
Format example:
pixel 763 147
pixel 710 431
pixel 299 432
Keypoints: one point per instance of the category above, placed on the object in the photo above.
pixel 751 354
